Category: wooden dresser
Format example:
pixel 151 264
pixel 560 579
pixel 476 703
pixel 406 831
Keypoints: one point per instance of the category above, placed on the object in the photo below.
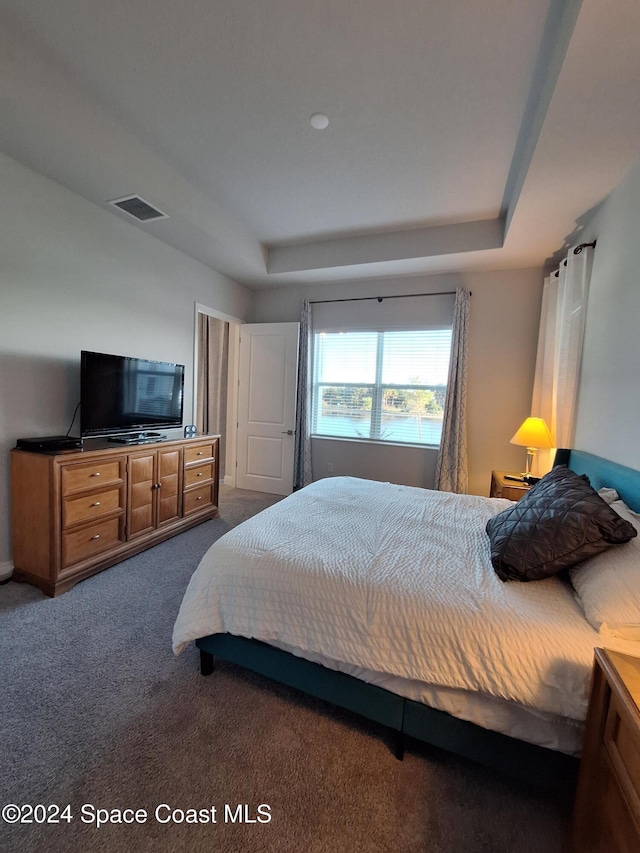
pixel 78 512
pixel 607 812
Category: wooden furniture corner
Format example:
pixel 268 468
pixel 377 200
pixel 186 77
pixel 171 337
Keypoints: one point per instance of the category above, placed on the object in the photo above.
pixel 607 810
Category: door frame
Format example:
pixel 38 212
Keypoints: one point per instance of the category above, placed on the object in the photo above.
pixel 232 384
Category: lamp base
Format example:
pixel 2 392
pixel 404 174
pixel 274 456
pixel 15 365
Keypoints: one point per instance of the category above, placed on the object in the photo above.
pixel 531 452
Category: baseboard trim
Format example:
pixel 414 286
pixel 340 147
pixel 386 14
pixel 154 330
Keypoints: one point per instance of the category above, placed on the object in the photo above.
pixel 229 480
pixel 6 570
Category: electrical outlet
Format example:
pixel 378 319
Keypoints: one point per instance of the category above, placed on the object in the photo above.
pixel 329 467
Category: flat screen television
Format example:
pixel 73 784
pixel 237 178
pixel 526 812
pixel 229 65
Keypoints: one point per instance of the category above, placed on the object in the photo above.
pixel 120 395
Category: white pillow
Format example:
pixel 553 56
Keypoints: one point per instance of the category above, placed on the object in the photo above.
pixel 607 586
pixel 608 495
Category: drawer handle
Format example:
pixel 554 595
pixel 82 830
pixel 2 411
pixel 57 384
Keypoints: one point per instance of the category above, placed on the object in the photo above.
pixel 97 503
pixel 97 536
pixel 199 474
pixel 97 474
pixel 199 498
pixel 201 453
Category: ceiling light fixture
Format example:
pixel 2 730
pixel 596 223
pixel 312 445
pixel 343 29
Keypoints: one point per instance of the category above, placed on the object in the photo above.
pixel 319 121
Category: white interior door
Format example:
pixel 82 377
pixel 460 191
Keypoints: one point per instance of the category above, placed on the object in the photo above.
pixel 267 406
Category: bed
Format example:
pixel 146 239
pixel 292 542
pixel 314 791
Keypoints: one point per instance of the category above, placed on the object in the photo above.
pixel 382 599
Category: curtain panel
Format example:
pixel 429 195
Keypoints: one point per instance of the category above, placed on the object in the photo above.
pixel 302 474
pixel 559 357
pixel 451 467
pixel 213 360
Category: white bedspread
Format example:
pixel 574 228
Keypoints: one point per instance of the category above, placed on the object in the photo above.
pixel 396 580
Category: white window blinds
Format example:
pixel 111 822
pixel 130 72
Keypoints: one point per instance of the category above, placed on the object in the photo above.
pixel 380 368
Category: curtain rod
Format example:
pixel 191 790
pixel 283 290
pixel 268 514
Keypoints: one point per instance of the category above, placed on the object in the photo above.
pixel 380 298
pixel 576 251
pixel 582 246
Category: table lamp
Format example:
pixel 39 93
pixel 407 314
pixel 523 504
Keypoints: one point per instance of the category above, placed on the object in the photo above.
pixel 533 434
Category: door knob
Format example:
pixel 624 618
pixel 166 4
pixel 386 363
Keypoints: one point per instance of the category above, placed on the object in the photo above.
pixel 287 432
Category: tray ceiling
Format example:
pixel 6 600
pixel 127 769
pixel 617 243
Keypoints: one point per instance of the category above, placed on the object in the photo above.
pixel 461 134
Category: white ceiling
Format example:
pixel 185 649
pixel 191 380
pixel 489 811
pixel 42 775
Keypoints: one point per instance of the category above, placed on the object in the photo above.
pixel 462 135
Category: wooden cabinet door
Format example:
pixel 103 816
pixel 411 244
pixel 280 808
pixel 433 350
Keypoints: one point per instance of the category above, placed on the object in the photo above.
pixel 155 489
pixel 142 481
pixel 169 480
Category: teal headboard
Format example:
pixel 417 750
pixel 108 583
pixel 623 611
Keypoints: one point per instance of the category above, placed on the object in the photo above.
pixel 602 472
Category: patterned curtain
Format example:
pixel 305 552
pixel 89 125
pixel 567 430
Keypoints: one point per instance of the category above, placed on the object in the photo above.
pixel 213 359
pixel 302 475
pixel 451 468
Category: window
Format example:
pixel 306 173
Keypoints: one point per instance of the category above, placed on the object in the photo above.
pixel 381 385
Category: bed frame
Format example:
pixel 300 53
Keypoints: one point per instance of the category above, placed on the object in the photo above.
pixel 405 717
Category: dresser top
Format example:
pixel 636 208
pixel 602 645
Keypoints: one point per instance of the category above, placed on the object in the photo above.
pixel 102 445
pixel 627 668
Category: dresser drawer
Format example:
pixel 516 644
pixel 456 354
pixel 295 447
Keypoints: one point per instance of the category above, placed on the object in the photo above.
pixel 198 474
pixel 90 506
pixel 197 499
pixel 90 475
pixel 619 832
pixel 80 544
pixel 622 743
pixel 199 453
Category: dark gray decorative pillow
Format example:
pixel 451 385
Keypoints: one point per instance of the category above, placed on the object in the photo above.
pixel 558 523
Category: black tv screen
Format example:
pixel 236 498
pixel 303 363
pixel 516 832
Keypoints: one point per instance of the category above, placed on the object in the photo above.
pixel 120 394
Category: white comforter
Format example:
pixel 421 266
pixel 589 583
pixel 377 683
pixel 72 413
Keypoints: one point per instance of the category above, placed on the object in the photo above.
pixel 397 580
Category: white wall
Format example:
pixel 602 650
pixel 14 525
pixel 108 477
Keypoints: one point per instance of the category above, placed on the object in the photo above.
pixel 608 422
pixel 503 330
pixel 74 276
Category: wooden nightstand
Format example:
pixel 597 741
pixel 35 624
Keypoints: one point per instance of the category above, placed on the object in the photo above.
pixel 513 490
pixel 607 812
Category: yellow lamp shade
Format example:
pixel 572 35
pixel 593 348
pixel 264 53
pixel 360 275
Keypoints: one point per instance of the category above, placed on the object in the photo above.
pixel 534 432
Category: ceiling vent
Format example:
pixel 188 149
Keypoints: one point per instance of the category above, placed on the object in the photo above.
pixel 138 208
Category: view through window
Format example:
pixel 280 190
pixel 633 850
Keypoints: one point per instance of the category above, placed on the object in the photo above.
pixel 386 386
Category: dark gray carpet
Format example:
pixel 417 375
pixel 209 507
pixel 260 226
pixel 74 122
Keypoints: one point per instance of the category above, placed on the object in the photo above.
pixel 96 710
